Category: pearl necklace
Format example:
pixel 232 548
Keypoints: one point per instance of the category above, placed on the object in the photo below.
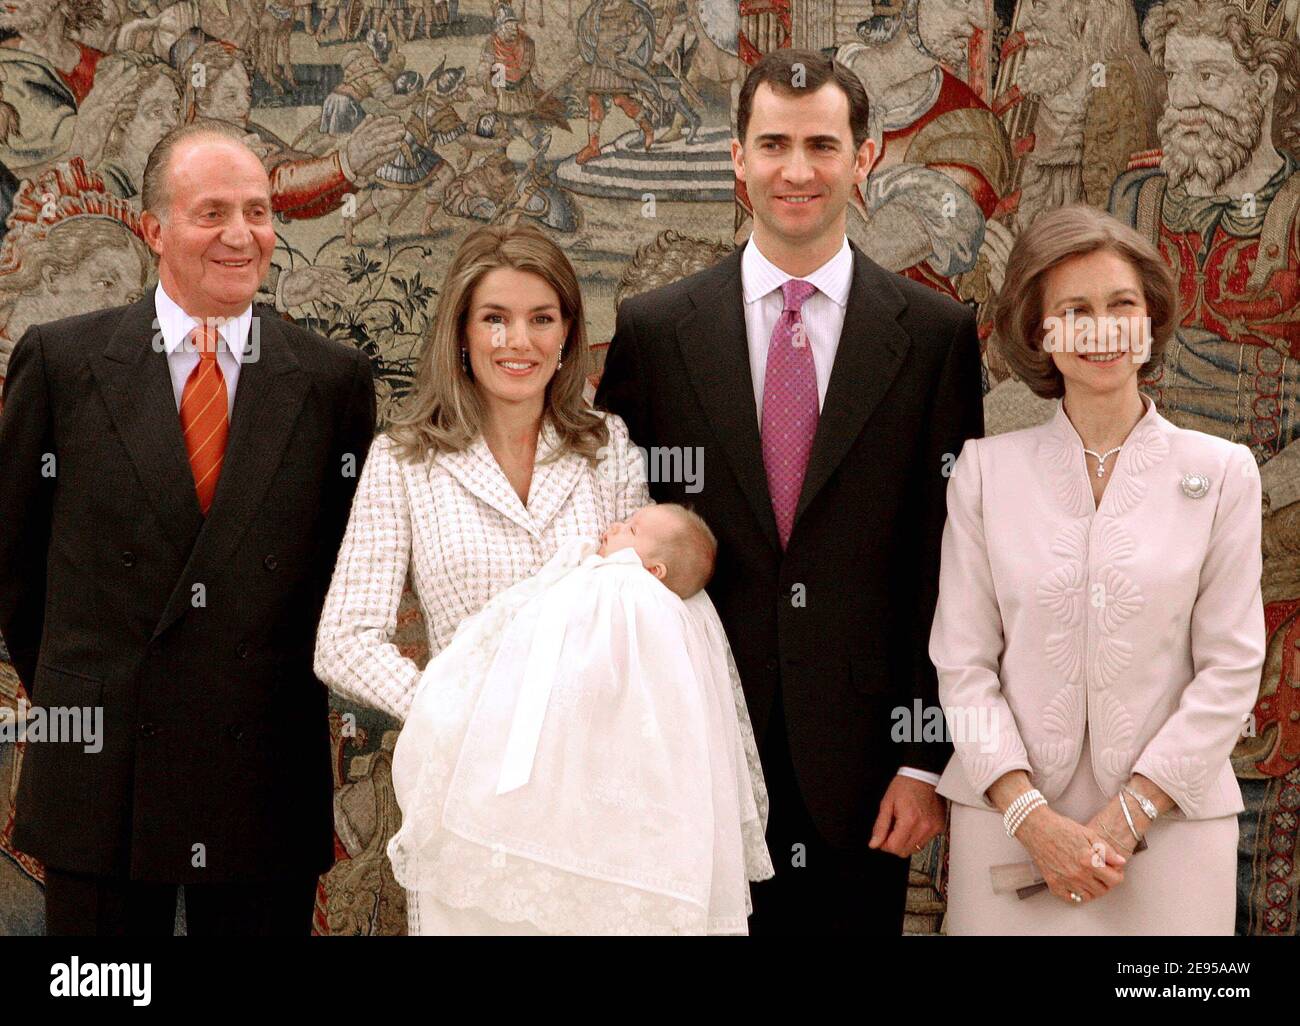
pixel 1101 460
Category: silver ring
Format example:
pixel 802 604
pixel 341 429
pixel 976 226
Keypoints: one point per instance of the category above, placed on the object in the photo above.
pixel 1075 898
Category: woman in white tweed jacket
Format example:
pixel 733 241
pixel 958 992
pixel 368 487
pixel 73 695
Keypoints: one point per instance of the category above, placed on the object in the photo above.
pixel 493 463
pixel 1099 632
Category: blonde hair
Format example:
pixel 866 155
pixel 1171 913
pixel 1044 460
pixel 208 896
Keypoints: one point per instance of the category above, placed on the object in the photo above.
pixel 690 553
pixel 444 411
pixel 1054 237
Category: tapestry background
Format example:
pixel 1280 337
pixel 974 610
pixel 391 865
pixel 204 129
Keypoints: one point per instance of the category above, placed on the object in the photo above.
pixel 391 127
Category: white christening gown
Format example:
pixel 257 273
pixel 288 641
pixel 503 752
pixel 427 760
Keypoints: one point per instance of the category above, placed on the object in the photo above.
pixel 579 760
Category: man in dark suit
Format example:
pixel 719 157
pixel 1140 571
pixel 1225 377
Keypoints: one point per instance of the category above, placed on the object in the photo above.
pixel 830 397
pixel 177 475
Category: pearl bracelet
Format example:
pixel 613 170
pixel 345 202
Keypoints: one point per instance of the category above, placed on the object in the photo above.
pixel 1021 801
pixel 1023 814
pixel 1019 808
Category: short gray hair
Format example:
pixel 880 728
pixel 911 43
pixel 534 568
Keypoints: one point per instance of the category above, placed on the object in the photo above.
pixel 154 194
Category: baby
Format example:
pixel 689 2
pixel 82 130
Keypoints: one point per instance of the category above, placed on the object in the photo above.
pixel 673 542
pixel 579 759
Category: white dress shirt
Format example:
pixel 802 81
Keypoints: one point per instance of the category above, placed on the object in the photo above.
pixel 823 318
pixel 823 312
pixel 176 325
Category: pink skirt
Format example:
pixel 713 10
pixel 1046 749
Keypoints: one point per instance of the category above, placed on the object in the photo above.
pixel 1183 883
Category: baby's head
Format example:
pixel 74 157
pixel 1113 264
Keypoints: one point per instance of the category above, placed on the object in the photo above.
pixel 674 543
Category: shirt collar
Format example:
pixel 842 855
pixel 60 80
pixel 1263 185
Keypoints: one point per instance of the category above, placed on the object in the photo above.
pixel 759 276
pixel 176 325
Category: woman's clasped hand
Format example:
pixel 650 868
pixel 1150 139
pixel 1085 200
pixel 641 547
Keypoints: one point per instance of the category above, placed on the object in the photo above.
pixel 1076 861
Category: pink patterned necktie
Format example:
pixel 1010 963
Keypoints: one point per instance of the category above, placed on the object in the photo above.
pixel 789 407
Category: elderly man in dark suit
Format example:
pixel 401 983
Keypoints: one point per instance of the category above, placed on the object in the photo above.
pixel 830 397
pixel 177 476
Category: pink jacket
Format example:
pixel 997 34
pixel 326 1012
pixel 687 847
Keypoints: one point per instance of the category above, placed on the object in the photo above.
pixel 1141 620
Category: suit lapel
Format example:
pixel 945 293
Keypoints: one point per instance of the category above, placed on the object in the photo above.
pixel 871 349
pixel 136 385
pixel 479 474
pixel 713 342
pixel 268 401
pixel 552 482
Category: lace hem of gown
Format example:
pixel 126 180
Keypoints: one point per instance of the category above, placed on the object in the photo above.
pixel 516 890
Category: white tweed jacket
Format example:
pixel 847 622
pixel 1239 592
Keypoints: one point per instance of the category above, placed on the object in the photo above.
pixel 1140 620
pixel 459 526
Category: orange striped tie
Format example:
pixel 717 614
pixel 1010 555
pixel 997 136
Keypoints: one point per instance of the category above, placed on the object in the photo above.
pixel 205 418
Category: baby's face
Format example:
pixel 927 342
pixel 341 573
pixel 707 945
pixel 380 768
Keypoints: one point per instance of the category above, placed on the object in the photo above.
pixel 646 531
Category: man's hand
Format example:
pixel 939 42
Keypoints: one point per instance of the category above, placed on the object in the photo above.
pixel 911 814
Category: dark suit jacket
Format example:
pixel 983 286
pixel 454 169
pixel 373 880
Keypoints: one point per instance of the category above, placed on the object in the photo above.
pixel 215 731
pixel 840 621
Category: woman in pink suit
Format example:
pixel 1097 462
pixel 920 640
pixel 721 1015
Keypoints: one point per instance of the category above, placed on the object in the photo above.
pixel 1099 631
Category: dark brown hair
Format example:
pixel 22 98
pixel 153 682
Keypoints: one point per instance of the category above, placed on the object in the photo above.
pixel 780 69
